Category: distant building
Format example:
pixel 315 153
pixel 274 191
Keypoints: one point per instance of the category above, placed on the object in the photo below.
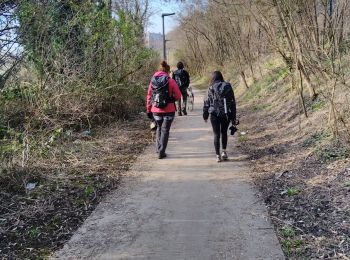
pixel 154 41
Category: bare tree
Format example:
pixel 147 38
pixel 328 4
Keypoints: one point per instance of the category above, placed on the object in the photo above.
pixel 312 37
pixel 10 51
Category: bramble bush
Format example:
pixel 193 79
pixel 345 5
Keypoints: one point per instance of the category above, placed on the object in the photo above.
pixel 82 64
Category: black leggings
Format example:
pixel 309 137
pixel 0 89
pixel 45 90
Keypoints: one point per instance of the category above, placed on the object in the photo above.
pixel 220 126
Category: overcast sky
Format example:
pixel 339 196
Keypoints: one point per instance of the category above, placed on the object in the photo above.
pixel 158 7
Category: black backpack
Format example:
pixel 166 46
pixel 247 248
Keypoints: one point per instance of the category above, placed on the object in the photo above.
pixel 219 104
pixel 160 91
pixel 181 78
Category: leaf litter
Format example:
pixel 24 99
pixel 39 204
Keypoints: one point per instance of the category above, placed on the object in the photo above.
pixel 42 206
pixel 304 193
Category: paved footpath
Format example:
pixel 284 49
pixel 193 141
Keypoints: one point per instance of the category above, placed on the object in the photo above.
pixel 187 206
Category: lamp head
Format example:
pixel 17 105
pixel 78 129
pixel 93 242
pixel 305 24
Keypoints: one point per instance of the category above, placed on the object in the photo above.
pixel 167 14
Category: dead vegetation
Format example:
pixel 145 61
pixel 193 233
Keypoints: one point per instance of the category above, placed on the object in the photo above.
pixel 310 37
pixel 290 59
pixel 43 205
pixel 70 74
pixel 303 172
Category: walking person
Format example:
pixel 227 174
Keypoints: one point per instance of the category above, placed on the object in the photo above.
pixel 161 96
pixel 182 79
pixel 220 104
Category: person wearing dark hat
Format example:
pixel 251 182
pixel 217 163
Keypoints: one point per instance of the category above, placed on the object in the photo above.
pixel 182 79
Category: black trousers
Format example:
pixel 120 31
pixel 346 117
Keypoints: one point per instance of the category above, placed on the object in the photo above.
pixel 220 126
pixel 163 129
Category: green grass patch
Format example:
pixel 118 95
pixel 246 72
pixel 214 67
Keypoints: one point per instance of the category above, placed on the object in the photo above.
pixel 201 83
pixel 283 73
pixel 34 232
pixel 316 138
pixel 319 105
pixel 332 153
pixel 287 245
pixel 288 231
pixel 243 138
pixel 298 243
pixel 44 253
pixel 271 64
pixel 292 247
pixel 257 108
pixel 293 191
pixel 88 191
pixel 56 220
pixel 266 83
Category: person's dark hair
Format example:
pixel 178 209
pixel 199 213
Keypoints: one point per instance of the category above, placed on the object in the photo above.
pixel 216 76
pixel 164 66
pixel 180 65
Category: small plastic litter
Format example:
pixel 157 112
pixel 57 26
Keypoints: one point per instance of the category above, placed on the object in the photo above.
pixel 86 133
pixel 30 186
pixel 69 133
pixel 284 192
pixel 280 174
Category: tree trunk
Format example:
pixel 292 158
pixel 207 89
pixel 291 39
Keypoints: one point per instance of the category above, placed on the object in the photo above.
pixel 244 79
pixel 309 85
pixel 295 48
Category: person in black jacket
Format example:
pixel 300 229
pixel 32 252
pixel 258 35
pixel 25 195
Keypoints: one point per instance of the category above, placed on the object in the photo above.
pixel 220 104
pixel 182 79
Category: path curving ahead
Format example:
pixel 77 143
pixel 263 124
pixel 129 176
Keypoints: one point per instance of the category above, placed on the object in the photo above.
pixel 184 207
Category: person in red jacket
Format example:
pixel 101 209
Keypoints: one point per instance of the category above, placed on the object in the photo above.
pixel 161 96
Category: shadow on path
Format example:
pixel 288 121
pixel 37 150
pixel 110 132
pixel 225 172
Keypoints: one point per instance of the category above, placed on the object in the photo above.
pixel 186 206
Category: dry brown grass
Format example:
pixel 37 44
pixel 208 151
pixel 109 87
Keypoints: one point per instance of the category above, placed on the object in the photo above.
pixel 70 180
pixel 302 172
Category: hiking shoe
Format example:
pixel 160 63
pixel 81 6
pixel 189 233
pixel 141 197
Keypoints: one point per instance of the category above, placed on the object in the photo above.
pixel 218 158
pixel 224 155
pixel 162 155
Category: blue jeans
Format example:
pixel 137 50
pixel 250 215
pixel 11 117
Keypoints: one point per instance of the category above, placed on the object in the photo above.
pixel 163 130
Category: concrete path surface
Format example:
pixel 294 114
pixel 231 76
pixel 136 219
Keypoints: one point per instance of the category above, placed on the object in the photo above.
pixel 186 206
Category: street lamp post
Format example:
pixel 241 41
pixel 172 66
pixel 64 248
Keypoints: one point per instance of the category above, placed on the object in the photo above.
pixel 331 8
pixel 164 41
pixel 166 50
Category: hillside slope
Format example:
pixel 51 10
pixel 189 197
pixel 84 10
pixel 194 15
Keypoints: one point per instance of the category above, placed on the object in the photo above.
pixel 301 170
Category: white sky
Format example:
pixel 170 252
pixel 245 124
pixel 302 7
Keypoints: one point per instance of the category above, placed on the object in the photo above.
pixel 157 8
